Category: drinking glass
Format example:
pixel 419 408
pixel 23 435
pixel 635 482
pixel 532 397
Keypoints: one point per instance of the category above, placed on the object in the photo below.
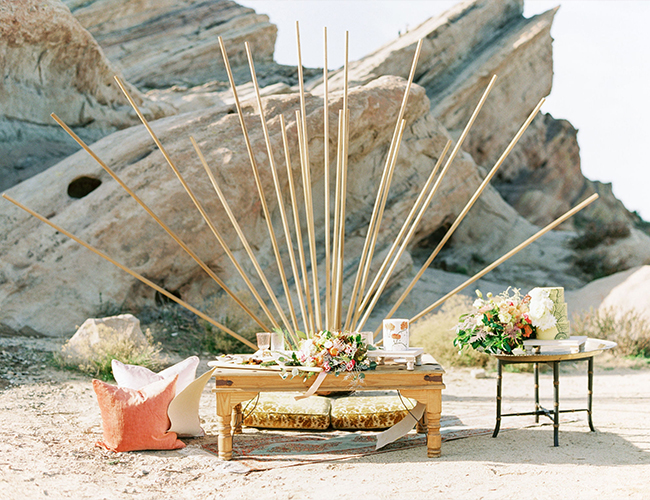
pixel 277 341
pixel 263 340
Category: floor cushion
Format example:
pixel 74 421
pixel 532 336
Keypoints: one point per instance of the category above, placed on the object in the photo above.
pixel 184 409
pixel 369 412
pixel 136 377
pixel 137 419
pixel 279 410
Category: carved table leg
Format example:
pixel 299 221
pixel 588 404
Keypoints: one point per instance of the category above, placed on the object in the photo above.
pixel 433 400
pixel 434 440
pixel 237 419
pixel 224 416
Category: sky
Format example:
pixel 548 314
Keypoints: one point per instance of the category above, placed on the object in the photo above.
pixel 601 58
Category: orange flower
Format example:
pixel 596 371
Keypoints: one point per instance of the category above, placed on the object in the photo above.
pixel 404 325
pixel 527 330
pixel 334 351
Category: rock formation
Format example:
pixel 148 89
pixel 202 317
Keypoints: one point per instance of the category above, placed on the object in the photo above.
pixel 50 284
pixel 42 264
pixel 184 35
pixel 51 64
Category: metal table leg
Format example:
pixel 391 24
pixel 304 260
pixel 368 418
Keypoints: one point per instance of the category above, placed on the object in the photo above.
pixel 499 381
pixel 536 373
pixel 590 387
pixel 556 403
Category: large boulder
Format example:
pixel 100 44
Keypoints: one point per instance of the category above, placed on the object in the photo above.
pixel 50 63
pixel 49 282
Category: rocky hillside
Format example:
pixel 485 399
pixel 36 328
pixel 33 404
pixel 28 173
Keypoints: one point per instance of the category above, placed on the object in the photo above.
pixel 51 284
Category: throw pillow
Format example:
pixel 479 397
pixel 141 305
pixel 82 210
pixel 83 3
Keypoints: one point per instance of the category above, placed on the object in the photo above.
pixel 136 419
pixel 136 377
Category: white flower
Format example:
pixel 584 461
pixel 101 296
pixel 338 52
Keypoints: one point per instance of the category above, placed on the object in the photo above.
pixel 478 303
pixel 327 344
pixel 540 308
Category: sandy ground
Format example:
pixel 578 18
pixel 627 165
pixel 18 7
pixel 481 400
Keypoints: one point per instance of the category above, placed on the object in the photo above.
pixel 49 422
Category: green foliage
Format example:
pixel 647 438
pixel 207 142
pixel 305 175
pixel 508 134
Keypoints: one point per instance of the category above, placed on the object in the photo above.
pixel 181 331
pixel 436 334
pixel 595 234
pixel 630 329
pixel 595 265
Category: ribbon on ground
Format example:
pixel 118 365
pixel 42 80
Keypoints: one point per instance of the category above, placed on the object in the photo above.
pixel 314 387
pixel 401 428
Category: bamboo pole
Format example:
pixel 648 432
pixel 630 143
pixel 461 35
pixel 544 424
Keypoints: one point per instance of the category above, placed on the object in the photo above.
pixel 336 302
pixel 201 210
pixel 278 192
pixel 238 229
pixel 256 176
pixel 326 182
pixel 466 209
pixel 309 206
pixel 352 314
pixel 144 280
pixel 409 218
pixel 365 260
pixel 296 220
pixel 171 233
pixel 344 141
pixel 409 235
pixel 505 257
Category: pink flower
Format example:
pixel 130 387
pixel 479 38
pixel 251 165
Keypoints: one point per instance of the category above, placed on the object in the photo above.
pixel 326 366
pixel 350 366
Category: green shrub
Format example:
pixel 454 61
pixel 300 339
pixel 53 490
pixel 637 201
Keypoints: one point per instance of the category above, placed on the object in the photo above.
pixel 181 331
pixel 629 329
pixel 595 234
pixel 436 334
pixel 98 357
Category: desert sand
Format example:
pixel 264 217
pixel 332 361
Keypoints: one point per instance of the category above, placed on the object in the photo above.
pixel 49 422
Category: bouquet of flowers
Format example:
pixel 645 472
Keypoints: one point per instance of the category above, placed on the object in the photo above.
pixel 499 324
pixel 336 352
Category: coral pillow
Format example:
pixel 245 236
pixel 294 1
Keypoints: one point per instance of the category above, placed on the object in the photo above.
pixel 137 419
pixel 136 377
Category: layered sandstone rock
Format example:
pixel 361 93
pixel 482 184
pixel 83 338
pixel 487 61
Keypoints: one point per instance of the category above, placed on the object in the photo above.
pixel 162 43
pixel 51 284
pixel 50 63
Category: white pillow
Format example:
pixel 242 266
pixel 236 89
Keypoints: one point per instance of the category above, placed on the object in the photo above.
pixel 136 377
pixel 183 411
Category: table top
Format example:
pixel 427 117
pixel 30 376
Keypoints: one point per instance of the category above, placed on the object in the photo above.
pixel 394 377
pixel 592 347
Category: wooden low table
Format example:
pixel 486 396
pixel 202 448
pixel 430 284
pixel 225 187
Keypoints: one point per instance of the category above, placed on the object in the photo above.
pixel 424 384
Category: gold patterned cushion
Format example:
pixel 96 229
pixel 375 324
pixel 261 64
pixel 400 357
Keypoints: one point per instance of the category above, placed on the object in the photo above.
pixel 279 410
pixel 369 412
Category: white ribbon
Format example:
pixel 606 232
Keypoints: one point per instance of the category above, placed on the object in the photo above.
pixel 401 428
pixel 314 387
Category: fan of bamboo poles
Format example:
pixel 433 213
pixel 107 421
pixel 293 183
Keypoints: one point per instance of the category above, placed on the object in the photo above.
pixel 319 307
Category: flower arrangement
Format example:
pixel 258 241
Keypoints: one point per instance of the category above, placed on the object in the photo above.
pixel 500 323
pixel 336 352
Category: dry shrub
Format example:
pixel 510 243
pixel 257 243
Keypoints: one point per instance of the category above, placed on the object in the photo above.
pixel 436 334
pixel 181 331
pixel 113 345
pixel 630 329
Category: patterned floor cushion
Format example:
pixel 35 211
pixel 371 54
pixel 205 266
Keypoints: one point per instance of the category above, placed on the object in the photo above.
pixel 369 412
pixel 279 410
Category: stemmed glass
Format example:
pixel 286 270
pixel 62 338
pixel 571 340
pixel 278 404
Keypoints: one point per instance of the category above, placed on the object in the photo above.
pixel 263 341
